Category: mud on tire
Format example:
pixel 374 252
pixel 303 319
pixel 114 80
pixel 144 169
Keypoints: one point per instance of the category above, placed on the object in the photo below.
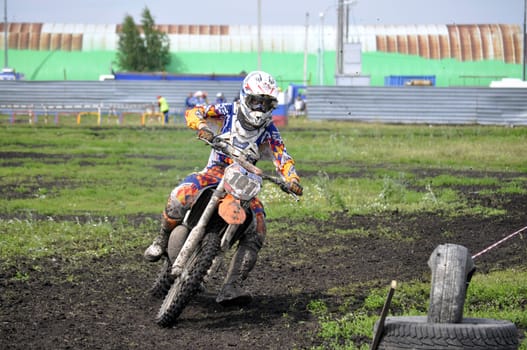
pixel 164 280
pixel 188 284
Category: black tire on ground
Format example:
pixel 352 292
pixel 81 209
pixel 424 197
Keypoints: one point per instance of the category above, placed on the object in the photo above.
pixel 414 332
pixel 164 279
pixel 186 286
pixel 163 282
pixel 452 268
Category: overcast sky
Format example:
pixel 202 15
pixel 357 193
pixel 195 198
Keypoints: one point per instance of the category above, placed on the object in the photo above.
pixel 273 12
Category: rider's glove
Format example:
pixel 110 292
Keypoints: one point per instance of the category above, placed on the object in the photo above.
pixel 294 187
pixel 205 134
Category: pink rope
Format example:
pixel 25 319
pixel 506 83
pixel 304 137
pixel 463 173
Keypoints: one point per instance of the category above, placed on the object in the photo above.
pixel 498 243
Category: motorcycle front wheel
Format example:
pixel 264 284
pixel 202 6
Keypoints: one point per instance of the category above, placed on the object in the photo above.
pixel 186 286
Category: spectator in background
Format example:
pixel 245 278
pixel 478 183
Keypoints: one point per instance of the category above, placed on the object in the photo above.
pixel 203 98
pixel 220 98
pixel 189 103
pixel 163 107
pixel 300 106
pixel 198 98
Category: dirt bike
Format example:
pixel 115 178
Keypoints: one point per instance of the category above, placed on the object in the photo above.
pixel 218 218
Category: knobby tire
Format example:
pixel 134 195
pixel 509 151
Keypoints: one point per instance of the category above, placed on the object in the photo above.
pixel 188 284
pixel 414 332
pixel 164 280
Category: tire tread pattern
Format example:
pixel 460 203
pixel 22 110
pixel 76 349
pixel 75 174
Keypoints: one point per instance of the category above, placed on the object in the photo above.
pixel 450 264
pixel 182 291
pixel 163 282
pixel 414 332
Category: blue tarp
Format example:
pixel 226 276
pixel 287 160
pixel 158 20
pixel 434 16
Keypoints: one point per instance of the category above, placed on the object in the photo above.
pixel 402 80
pixel 188 77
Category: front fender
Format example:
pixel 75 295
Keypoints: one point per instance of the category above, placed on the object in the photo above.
pixel 231 210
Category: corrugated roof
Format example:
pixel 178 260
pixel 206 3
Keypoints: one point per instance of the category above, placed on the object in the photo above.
pixel 472 42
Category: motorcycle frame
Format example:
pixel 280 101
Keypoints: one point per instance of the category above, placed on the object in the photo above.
pixel 198 232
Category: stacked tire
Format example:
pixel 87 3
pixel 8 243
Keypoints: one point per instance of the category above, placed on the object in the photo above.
pixel 444 327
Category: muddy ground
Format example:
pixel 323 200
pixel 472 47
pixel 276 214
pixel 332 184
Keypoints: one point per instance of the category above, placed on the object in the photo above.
pixel 107 307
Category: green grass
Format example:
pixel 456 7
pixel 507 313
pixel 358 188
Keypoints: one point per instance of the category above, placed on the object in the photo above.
pixel 38 239
pixel 96 173
pixel 497 295
pixel 105 169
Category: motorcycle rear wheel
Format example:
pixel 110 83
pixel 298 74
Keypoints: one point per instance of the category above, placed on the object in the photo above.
pixel 164 280
pixel 186 286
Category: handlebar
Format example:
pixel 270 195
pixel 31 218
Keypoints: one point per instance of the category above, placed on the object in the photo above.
pixel 230 151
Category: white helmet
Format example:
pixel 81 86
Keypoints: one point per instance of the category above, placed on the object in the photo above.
pixel 258 99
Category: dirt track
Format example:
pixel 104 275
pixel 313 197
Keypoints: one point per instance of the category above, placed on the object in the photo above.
pixel 107 307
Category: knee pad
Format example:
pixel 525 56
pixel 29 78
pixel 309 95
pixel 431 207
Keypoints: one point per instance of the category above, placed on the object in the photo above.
pixel 168 223
pixel 174 209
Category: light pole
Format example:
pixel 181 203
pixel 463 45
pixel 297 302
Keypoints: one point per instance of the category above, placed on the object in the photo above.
pixel 339 4
pixel 305 48
pixel 5 35
pixel 524 38
pixel 259 34
pixel 340 32
pixel 321 50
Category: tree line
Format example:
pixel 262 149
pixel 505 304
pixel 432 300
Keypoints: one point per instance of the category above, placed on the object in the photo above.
pixel 142 48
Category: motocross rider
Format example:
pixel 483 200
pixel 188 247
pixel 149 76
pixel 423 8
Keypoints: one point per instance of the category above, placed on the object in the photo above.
pixel 247 124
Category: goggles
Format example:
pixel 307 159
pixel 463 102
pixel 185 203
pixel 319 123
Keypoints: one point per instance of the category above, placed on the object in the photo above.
pixel 262 103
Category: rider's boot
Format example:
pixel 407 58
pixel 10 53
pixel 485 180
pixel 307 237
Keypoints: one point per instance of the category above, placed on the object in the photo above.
pixel 242 263
pixel 159 246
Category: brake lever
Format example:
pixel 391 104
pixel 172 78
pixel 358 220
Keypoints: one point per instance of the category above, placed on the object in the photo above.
pixel 224 147
pixel 220 145
pixel 282 185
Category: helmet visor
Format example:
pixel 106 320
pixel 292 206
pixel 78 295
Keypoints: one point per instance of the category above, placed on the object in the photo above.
pixel 262 103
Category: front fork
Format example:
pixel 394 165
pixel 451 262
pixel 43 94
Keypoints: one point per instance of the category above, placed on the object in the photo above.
pixel 196 234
